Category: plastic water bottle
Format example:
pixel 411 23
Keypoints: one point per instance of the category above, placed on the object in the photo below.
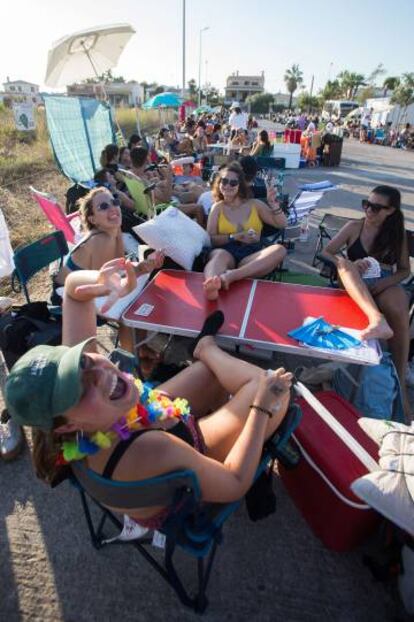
pixel 304 229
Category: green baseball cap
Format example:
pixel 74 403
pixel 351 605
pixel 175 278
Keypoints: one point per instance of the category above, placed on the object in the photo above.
pixel 44 383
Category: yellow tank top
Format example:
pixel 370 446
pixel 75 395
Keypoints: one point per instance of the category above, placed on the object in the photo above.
pixel 224 225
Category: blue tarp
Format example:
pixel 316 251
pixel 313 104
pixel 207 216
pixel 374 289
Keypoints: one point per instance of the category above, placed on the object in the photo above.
pixel 79 129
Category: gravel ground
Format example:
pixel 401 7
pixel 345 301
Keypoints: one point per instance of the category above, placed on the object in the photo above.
pixel 272 570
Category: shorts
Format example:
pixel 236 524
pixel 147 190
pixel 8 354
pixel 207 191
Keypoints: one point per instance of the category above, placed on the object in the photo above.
pixel 239 251
pixel 374 281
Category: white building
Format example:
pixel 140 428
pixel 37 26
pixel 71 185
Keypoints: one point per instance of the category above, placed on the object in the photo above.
pixel 21 91
pixel 127 94
pixel 239 87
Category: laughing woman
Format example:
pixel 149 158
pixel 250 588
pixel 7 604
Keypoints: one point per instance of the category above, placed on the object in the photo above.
pixel 101 219
pixel 81 405
pixel 235 224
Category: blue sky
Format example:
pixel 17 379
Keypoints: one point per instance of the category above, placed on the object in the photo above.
pixel 322 36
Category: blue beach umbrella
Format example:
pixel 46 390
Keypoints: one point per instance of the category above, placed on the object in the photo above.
pixel 163 100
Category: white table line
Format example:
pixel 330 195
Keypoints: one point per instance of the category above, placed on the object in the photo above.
pixel 248 309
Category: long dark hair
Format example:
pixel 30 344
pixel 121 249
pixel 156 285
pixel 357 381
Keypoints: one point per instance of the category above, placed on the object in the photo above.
pixel 264 138
pixel 389 241
pixel 233 167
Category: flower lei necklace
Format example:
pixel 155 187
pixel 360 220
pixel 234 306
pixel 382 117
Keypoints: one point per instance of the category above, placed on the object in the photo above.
pixel 153 406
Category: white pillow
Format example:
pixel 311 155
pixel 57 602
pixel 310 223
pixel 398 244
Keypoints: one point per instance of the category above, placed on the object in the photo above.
pixel 390 490
pixel 176 234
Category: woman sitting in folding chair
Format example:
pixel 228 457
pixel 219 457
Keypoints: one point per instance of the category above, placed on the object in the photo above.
pixel 381 236
pixel 235 224
pixel 102 220
pixel 83 407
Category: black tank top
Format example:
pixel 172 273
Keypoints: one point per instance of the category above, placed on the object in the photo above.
pixel 180 430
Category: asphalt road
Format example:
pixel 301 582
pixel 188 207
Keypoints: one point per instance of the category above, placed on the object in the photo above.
pixel 268 571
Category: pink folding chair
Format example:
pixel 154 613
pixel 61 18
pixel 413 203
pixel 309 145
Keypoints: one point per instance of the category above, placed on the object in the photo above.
pixel 56 215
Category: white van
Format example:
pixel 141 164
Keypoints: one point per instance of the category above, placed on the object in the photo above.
pixel 338 108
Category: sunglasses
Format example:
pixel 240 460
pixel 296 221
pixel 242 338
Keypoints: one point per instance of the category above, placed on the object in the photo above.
pixel 102 207
pixel 225 181
pixel 374 207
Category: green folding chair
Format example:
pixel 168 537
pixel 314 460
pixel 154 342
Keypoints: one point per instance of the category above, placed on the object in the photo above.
pixel 139 194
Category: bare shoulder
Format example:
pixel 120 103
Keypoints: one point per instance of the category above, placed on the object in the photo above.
pixel 154 453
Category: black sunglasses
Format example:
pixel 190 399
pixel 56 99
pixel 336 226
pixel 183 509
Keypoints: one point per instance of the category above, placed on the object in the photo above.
pixel 225 181
pixel 374 207
pixel 102 207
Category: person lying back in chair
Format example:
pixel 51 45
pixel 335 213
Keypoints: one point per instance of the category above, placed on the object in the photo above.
pixel 101 221
pixel 82 407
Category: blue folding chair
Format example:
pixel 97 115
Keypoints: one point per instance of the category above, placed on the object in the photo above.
pixel 192 525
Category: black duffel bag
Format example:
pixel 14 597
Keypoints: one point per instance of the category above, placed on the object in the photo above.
pixel 27 326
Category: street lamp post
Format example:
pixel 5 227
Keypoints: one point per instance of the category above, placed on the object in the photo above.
pixel 199 64
pixel 183 87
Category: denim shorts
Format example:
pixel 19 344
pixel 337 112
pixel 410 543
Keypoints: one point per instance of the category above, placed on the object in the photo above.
pixel 374 281
pixel 239 251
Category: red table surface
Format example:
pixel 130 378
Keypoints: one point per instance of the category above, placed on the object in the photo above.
pixel 280 307
pixel 180 303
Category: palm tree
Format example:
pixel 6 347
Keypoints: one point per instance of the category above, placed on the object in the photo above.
pixel 350 81
pixel 404 94
pixel 390 83
pixel 331 90
pixel 293 78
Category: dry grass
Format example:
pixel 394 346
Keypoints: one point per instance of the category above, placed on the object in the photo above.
pixel 26 160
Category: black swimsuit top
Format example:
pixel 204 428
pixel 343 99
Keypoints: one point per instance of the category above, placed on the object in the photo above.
pixel 356 250
pixel 179 429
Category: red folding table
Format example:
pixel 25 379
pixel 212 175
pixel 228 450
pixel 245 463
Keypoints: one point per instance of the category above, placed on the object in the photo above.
pixel 257 313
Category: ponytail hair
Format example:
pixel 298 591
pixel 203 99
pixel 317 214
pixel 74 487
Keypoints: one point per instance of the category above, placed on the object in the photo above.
pixel 389 241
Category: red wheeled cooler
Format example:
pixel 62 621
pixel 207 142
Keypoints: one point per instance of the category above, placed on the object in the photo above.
pixel 320 483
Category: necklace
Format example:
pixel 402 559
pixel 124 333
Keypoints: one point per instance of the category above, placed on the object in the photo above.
pixel 152 406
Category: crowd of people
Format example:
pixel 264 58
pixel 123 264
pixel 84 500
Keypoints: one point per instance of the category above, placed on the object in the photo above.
pixel 77 392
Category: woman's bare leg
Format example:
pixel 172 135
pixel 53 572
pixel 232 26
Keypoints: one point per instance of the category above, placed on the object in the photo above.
pixel 256 265
pixel 222 428
pixel 222 374
pixel 378 327
pixel 191 384
pixel 219 261
pixel 393 303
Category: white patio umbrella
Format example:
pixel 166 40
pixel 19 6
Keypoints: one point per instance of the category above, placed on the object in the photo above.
pixel 86 53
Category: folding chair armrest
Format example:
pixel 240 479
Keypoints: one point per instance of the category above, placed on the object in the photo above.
pixel 16 283
pixel 328 270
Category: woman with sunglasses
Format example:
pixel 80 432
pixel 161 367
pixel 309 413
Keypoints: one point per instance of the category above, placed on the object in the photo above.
pixel 381 235
pixel 101 219
pixel 234 224
pixel 83 407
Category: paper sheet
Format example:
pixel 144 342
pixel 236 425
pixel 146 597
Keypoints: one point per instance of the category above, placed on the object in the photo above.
pixel 368 353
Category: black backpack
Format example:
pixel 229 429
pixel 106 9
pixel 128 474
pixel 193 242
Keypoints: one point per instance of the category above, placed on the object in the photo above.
pixel 27 326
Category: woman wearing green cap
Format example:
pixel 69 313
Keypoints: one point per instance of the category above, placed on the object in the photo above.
pixel 81 406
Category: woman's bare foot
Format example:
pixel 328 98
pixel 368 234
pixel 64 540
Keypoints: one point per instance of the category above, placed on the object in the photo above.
pixel 227 279
pixel 377 329
pixel 212 286
pixel 204 342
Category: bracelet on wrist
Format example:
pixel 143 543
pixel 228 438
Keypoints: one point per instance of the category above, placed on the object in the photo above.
pixel 259 409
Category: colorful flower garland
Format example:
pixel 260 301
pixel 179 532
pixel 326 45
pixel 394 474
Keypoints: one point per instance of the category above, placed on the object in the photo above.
pixel 153 406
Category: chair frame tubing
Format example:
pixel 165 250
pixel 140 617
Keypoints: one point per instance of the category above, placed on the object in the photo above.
pixel 168 571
